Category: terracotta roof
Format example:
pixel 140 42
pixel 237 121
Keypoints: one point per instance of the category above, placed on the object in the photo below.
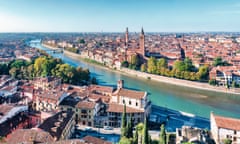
pixel 86 105
pixel 57 123
pixel 94 140
pixel 131 93
pixel 114 107
pixel 101 88
pixel 29 136
pixel 227 123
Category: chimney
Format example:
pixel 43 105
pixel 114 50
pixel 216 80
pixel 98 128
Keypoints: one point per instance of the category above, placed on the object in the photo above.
pixel 120 84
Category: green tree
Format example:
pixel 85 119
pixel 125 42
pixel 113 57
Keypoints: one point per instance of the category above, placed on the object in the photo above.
pixel 4 69
pixel 234 84
pixel 162 63
pixel 203 72
pixel 125 64
pixel 143 67
pixel 179 65
pixel 94 80
pixel 145 132
pixel 130 127
pixel 135 137
pixel 212 82
pixel 162 138
pixel 152 65
pixel 82 41
pixel 227 141
pixel 139 129
pixel 14 72
pixel 124 122
pixel 188 64
pixel 217 61
pixel 18 64
pixel 135 60
pixel 125 140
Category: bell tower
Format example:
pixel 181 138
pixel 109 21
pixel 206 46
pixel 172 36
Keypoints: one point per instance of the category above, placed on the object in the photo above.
pixel 142 43
pixel 126 36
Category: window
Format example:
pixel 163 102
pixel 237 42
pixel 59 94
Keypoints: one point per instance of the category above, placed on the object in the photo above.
pixel 124 101
pixel 130 102
pixel 136 104
pixel 235 132
pixel 84 111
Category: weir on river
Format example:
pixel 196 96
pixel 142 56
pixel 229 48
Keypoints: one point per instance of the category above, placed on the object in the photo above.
pixel 189 100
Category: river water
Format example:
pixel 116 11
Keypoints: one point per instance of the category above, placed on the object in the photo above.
pixel 189 100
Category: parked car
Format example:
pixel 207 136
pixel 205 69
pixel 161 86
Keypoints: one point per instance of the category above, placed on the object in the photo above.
pixel 88 129
pixel 107 128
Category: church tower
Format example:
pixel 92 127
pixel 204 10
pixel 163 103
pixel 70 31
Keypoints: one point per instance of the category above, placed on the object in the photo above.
pixel 142 43
pixel 126 36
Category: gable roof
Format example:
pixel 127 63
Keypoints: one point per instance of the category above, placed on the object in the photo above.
pixel 227 123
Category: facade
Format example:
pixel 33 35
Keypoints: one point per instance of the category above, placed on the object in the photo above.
pixel 223 128
pixel 137 105
pixel 225 75
pixel 46 83
pixel 86 112
pixel 192 135
pixel 47 100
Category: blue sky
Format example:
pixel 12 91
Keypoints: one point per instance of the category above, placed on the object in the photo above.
pixel 116 15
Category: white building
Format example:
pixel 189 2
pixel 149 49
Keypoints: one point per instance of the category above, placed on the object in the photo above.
pixel 225 128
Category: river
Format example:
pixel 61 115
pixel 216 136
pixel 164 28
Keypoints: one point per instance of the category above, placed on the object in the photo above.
pixel 194 101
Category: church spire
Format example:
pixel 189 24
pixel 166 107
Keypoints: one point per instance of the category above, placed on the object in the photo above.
pixel 142 31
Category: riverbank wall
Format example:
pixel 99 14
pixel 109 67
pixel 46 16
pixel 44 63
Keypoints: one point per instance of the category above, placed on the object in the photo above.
pixel 158 78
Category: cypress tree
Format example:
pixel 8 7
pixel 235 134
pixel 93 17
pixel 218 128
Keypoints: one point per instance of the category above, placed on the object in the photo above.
pixel 145 132
pixel 124 122
pixel 130 127
pixel 162 138
pixel 135 137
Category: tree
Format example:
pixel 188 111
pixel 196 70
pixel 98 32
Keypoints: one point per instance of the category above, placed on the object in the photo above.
pixel 125 64
pixel 151 65
pixel 130 128
pixel 162 63
pixel 203 72
pixel 145 132
pixel 217 61
pixel 14 72
pixel 227 141
pixel 4 69
pixel 162 138
pixel 139 129
pixel 135 137
pixel 188 64
pixel 143 67
pixel 135 60
pixel 125 140
pixel 179 65
pixel 212 82
pixel 124 122
pixel 82 41
pixel 94 80
pixel 234 84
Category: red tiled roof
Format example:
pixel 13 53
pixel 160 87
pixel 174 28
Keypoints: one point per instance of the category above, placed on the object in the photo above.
pixel 227 123
pixel 114 107
pixel 131 93
pixel 86 105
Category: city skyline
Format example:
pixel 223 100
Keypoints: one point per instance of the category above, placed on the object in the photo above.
pixel 109 16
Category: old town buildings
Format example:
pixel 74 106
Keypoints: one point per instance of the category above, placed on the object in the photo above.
pixel 223 128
